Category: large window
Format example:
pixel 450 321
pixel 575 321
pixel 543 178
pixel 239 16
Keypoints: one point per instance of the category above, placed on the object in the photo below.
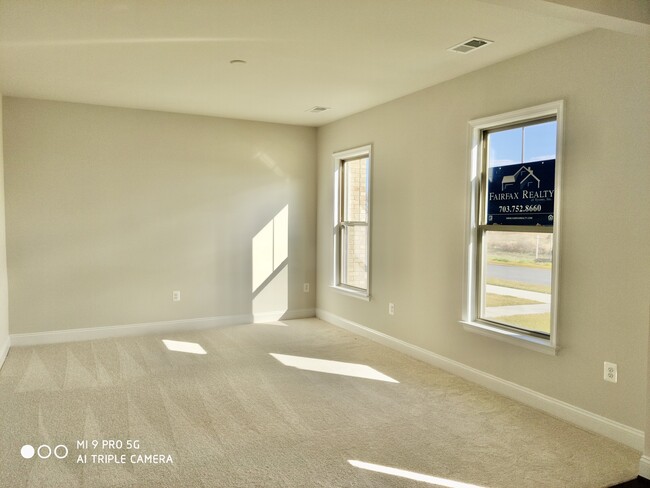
pixel 352 221
pixel 513 236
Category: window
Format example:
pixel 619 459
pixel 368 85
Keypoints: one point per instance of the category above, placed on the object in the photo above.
pixel 512 261
pixel 352 221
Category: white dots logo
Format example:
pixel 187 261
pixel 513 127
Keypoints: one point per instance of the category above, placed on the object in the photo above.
pixel 57 451
pixel 44 451
pixel 41 452
pixel 27 451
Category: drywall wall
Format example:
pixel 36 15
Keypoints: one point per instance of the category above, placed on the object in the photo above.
pixel 419 207
pixel 110 210
pixel 644 467
pixel 4 313
pixel 636 10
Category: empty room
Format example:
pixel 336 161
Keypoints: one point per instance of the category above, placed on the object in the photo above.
pixel 303 243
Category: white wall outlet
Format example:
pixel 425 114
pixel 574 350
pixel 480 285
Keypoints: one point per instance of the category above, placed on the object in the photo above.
pixel 176 295
pixel 611 372
pixel 391 309
pixel 305 287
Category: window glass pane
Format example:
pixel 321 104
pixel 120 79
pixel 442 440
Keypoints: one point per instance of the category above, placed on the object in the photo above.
pixel 540 141
pixel 517 279
pixel 355 190
pixel 355 255
pixel 504 147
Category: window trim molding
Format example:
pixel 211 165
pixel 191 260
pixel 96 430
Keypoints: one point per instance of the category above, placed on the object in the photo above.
pixel 469 314
pixel 338 158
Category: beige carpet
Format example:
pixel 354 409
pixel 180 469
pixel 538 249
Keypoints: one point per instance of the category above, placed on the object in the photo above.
pixel 239 417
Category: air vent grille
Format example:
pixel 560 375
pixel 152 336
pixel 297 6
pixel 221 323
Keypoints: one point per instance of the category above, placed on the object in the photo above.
pixel 470 45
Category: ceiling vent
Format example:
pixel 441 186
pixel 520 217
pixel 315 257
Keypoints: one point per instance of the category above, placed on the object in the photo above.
pixel 317 109
pixel 469 45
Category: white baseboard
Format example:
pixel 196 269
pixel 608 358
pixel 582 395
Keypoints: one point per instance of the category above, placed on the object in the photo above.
pixel 75 335
pixel 644 467
pixel 301 313
pixel 4 350
pixel 87 334
pixel 622 433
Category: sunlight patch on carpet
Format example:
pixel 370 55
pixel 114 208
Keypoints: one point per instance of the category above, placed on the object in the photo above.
pixel 333 367
pixel 433 480
pixel 181 346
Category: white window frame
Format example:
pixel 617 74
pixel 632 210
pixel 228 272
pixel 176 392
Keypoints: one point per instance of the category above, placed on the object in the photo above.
pixel 470 312
pixel 339 160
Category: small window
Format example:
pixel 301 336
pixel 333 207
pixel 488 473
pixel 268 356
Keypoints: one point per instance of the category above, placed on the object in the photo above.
pixel 352 221
pixel 513 237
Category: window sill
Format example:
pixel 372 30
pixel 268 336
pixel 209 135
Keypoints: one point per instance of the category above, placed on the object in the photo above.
pixel 361 295
pixel 518 339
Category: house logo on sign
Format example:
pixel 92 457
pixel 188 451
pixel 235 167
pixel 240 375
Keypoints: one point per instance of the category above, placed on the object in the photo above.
pixel 524 178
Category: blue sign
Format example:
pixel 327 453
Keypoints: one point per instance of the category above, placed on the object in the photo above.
pixel 521 194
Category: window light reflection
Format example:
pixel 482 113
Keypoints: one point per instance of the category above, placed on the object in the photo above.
pixel 333 367
pixel 181 346
pixel 433 480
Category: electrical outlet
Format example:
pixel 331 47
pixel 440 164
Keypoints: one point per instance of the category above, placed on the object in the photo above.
pixel 391 309
pixel 176 295
pixel 611 372
pixel 305 287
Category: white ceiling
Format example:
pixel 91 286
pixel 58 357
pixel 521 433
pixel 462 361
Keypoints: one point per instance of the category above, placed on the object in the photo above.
pixel 174 55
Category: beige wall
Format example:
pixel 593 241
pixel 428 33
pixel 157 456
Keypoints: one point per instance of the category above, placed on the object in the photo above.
pixel 110 210
pixel 636 10
pixel 419 204
pixel 4 314
pixel 647 420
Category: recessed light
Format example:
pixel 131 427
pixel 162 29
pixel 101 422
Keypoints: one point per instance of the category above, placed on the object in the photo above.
pixel 469 45
pixel 317 109
pixel 237 61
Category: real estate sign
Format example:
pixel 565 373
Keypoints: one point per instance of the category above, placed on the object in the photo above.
pixel 521 194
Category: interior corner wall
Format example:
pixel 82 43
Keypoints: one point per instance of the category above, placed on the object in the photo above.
pixel 4 306
pixel 419 207
pixel 110 210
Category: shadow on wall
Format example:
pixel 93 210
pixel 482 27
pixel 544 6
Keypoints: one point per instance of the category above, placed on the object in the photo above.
pixel 271 269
